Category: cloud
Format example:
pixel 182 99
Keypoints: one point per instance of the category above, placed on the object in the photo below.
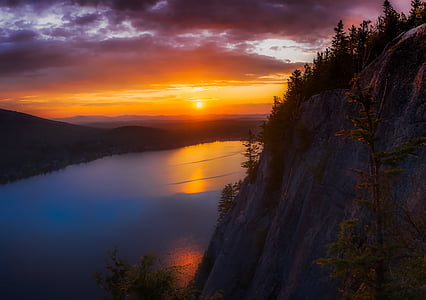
pixel 97 44
pixel 303 20
pixel 298 19
pixel 18 36
pixel 86 19
pixel 24 58
pixel 129 63
pixel 115 4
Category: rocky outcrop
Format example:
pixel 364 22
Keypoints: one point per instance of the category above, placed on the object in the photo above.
pixel 266 246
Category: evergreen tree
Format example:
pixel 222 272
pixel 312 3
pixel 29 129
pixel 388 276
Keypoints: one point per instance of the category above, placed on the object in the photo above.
pixel 227 197
pixel 145 280
pixel 391 21
pixel 372 254
pixel 417 15
pixel 252 152
pixel 340 40
pixel 350 53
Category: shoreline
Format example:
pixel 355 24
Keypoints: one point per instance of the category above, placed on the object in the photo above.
pixel 46 167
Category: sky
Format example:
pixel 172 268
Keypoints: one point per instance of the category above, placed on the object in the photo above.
pixel 161 57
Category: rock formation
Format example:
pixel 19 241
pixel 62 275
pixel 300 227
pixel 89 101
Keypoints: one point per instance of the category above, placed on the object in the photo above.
pixel 266 246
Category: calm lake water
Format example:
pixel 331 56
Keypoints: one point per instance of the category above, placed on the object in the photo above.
pixel 55 229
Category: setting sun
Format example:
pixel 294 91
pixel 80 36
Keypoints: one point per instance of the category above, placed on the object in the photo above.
pixel 199 104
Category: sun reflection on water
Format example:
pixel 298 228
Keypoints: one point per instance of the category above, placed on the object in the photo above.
pixel 185 254
pixel 194 184
pixel 198 168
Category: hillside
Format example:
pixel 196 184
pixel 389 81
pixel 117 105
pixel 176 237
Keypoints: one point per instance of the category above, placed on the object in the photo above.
pixel 32 145
pixel 266 246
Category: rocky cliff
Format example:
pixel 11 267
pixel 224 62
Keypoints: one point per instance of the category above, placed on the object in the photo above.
pixel 266 246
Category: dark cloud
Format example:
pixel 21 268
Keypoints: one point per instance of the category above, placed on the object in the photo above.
pixel 192 39
pixel 16 3
pixel 118 4
pixel 303 20
pixel 115 4
pixel 133 4
pixel 33 57
pixel 294 19
pixel 129 62
pixel 58 32
pixel 86 19
pixel 19 36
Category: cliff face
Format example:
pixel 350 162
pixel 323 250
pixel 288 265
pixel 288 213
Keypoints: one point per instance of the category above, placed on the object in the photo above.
pixel 265 247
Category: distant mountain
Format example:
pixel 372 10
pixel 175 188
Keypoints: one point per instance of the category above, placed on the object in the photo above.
pixel 160 121
pixel 16 127
pixel 33 145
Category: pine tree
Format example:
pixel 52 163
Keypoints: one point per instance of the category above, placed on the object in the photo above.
pixel 252 153
pixel 372 254
pixel 417 15
pixel 391 21
pixel 341 61
pixel 340 40
pixel 227 197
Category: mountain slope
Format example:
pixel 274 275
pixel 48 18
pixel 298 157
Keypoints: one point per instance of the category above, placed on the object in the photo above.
pixel 16 127
pixel 266 246
pixel 32 145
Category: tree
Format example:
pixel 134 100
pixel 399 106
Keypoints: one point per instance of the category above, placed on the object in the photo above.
pixel 333 68
pixel 391 21
pixel 372 255
pixel 227 197
pixel 340 40
pixel 358 40
pixel 252 152
pixel 417 15
pixel 145 280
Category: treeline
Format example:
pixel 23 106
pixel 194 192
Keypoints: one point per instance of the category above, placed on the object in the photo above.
pixel 350 52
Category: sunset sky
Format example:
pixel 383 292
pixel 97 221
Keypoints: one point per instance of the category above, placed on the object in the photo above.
pixel 152 57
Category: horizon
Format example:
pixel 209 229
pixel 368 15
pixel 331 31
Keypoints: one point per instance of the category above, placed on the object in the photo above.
pixel 60 59
pixel 153 117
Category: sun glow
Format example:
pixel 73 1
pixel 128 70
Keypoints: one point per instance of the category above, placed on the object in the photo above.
pixel 161 99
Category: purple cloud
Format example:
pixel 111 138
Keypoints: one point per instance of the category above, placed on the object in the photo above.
pixel 83 39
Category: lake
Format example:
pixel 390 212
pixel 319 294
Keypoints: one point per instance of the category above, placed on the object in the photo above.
pixel 55 229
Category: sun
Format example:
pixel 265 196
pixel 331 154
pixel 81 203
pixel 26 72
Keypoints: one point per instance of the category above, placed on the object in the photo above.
pixel 199 104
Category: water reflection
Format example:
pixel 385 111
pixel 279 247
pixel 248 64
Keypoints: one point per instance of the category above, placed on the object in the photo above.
pixel 187 254
pixel 195 184
pixel 193 170
pixel 56 228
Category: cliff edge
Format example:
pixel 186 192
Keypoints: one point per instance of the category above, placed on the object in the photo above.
pixel 266 246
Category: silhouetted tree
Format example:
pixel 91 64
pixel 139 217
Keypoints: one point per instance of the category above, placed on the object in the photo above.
pixel 145 280
pixel 252 152
pixel 417 15
pixel 372 254
pixel 227 197
pixel 350 53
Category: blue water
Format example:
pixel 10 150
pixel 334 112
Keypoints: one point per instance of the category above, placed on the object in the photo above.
pixel 55 229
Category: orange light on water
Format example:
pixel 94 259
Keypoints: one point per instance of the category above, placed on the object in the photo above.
pixel 186 255
pixel 195 183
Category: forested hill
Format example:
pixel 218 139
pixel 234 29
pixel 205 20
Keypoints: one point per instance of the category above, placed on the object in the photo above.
pixel 281 223
pixel 32 145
